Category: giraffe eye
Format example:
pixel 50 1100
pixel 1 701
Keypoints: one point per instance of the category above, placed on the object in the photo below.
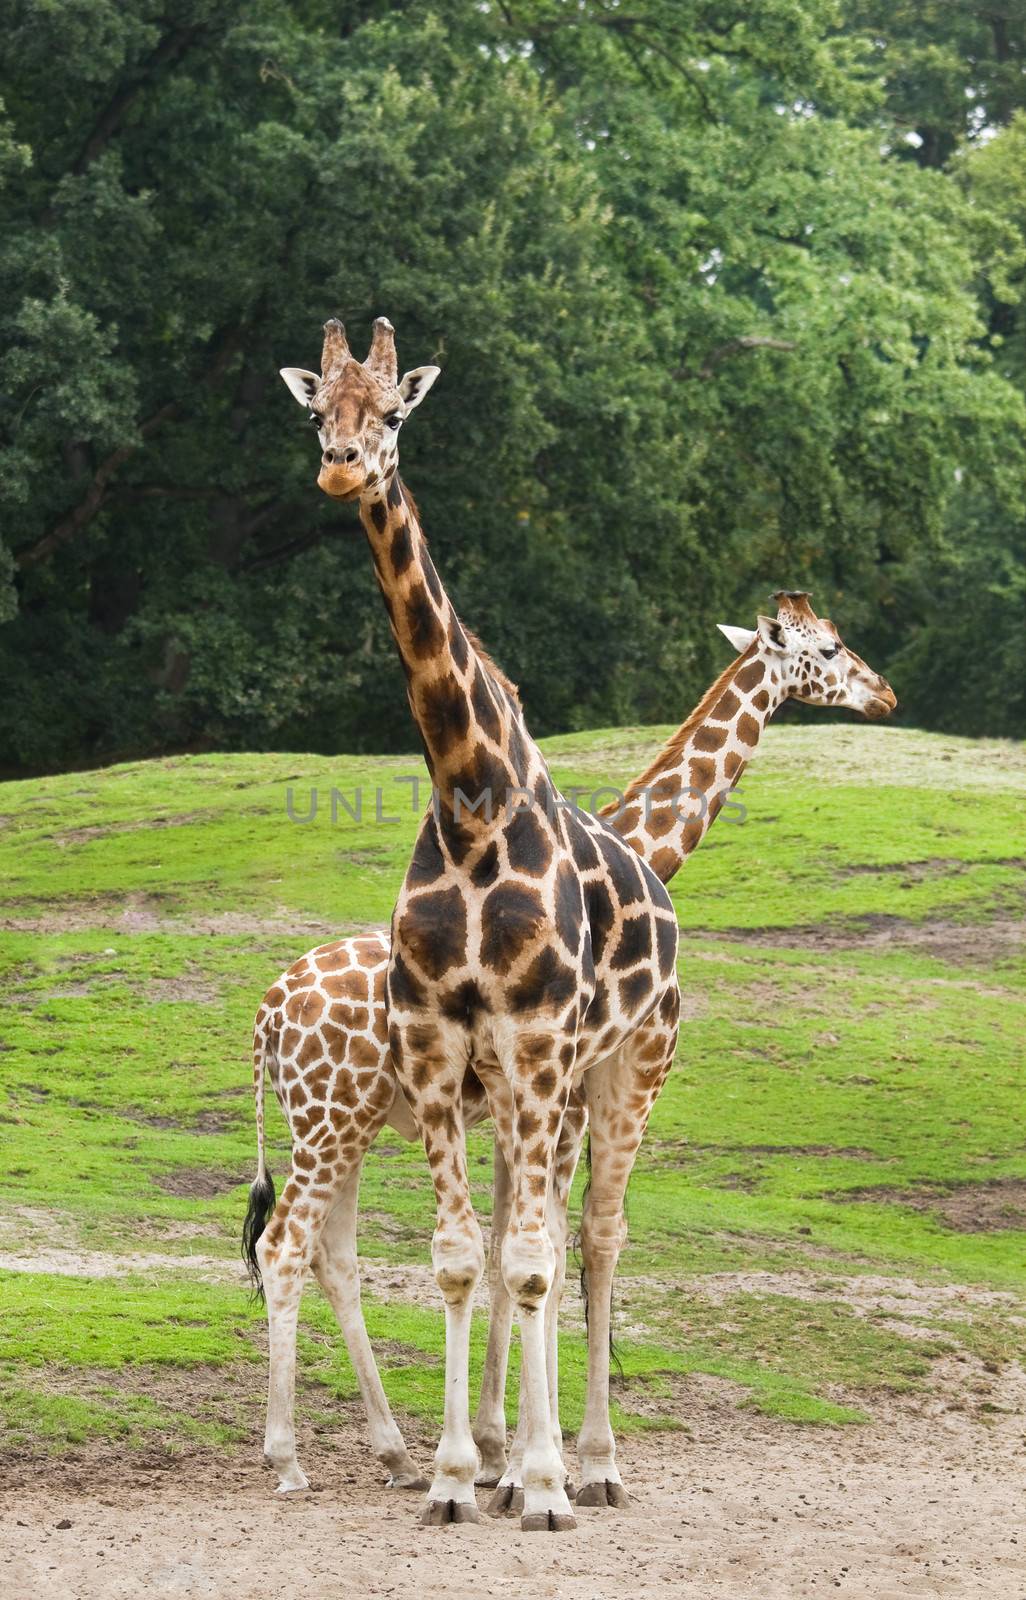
pixel 393 420
pixel 317 421
pixel 828 655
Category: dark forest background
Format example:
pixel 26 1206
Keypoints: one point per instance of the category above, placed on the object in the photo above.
pixel 727 296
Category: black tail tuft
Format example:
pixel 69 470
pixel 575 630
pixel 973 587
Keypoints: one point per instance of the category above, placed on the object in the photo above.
pixel 614 1354
pixel 261 1204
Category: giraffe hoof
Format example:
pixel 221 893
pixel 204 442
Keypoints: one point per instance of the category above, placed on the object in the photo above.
pixel 508 1498
pixel 407 1480
pixel 547 1522
pixel 605 1493
pixel 487 1480
pixel 293 1483
pixel 437 1513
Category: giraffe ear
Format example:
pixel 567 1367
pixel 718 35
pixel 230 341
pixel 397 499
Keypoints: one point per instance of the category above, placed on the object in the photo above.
pixel 304 385
pixel 740 638
pixel 413 386
pixel 771 632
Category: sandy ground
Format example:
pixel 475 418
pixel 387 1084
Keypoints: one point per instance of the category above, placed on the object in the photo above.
pixel 925 1500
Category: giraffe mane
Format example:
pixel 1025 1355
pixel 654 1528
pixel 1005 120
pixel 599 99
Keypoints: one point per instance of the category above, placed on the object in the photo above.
pixel 490 666
pixel 669 756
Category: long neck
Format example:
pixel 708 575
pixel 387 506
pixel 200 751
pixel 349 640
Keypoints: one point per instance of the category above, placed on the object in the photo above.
pixel 469 716
pixel 671 807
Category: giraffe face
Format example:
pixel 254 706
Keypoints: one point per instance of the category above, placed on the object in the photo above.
pixel 813 664
pixel 357 409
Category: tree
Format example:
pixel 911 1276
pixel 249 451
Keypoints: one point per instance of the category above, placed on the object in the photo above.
pixel 700 336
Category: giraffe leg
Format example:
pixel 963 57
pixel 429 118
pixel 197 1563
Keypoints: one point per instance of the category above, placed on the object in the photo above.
pixel 337 1271
pixel 490 1419
pixel 509 1495
pixel 284 1252
pixel 529 1266
pixel 621 1092
pixel 568 1153
pixel 457 1255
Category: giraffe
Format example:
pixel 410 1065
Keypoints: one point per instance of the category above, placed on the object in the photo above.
pixel 528 942
pixel 795 655
pixel 321 1035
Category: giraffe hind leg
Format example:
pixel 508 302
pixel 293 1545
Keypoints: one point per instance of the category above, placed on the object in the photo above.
pixel 490 1420
pixel 284 1252
pixel 621 1092
pixel 337 1271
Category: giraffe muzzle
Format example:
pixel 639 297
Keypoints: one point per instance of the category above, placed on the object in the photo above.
pixel 883 702
pixel 341 481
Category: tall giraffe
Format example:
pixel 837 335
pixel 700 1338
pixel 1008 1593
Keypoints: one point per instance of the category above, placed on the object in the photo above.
pixel 528 943
pixel 321 1033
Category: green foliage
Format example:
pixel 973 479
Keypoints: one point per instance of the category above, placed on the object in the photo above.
pixel 948 69
pixel 587 218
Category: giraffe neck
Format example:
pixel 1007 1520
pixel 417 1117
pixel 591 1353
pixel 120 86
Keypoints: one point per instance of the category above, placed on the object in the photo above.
pixel 469 716
pixel 670 808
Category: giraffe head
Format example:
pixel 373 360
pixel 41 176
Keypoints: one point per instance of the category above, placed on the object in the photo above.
pixel 358 408
pixel 813 665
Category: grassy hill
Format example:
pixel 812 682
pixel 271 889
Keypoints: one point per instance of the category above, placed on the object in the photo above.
pixel 846 1106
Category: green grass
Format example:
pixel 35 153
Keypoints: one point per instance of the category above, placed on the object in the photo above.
pixel 855 1016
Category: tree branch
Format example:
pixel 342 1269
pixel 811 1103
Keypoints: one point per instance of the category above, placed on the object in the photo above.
pixel 285 552
pixel 742 345
pixel 170 50
pixel 96 494
pixel 94 497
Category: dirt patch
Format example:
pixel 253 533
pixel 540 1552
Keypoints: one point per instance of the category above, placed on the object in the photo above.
pixel 152 913
pixel 865 1294
pixel 192 990
pixel 136 825
pixel 199 1183
pixel 844 1152
pixel 212 1122
pixel 931 867
pixel 960 943
pixel 102 1264
pixel 994 1206
pixel 183 990
pixel 924 1500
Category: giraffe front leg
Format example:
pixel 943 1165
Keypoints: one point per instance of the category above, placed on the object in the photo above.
pixel 457 1255
pixel 541 1084
pixel 529 1269
pixel 509 1495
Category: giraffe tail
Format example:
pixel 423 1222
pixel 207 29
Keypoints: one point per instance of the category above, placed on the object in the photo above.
pixel 261 1192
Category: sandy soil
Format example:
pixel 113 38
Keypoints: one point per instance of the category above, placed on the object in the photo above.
pixel 924 1501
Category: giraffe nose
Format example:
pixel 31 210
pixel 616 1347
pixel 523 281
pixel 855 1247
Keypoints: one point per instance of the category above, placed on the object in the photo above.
pixel 341 456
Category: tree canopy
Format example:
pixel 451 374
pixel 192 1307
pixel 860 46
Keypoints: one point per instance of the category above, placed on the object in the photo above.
pixel 726 298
